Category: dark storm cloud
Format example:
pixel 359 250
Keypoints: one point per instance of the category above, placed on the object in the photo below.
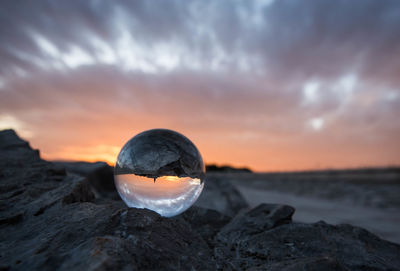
pixel 261 68
pixel 289 38
pixel 327 38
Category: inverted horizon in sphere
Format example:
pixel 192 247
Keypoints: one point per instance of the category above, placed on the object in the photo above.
pixel 160 170
pixel 167 195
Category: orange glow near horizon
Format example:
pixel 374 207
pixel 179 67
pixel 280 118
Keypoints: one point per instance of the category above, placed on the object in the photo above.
pixel 104 153
pixel 257 155
pixel 269 93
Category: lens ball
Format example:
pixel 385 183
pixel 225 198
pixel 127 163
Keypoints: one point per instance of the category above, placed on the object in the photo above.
pixel 160 170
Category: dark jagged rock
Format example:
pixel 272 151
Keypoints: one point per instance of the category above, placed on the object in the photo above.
pixel 262 218
pixel 294 246
pixel 81 192
pixel 99 175
pixel 133 239
pixel 309 264
pixel 206 222
pixel 53 217
pixel 50 223
pixel 220 195
pixel 9 141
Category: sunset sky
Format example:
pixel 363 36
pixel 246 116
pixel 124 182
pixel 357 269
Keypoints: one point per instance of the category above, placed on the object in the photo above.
pixel 273 85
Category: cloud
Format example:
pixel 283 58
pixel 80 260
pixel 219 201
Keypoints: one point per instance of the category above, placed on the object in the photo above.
pixel 252 75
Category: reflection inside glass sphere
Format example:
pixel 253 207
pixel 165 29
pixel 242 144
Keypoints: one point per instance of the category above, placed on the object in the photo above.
pixel 160 170
pixel 166 195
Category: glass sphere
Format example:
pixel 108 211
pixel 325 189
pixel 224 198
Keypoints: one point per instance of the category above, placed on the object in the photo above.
pixel 160 170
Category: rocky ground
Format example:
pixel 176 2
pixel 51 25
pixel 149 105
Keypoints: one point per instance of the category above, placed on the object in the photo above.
pixel 68 216
pixel 365 198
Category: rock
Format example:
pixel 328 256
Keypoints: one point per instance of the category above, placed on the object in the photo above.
pixel 9 140
pixel 49 224
pixel 260 219
pixel 83 168
pixel 206 222
pixel 309 264
pixel 293 246
pixel 220 195
pixel 99 175
pixel 81 192
pixel 53 217
pixel 134 239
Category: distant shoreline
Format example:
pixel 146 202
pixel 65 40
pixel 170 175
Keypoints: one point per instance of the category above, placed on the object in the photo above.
pixel 361 170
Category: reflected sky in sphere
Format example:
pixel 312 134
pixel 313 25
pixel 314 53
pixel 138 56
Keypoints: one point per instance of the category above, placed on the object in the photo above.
pixel 168 195
pixel 160 170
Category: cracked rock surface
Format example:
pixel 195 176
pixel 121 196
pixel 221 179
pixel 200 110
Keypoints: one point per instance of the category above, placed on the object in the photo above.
pixel 66 216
